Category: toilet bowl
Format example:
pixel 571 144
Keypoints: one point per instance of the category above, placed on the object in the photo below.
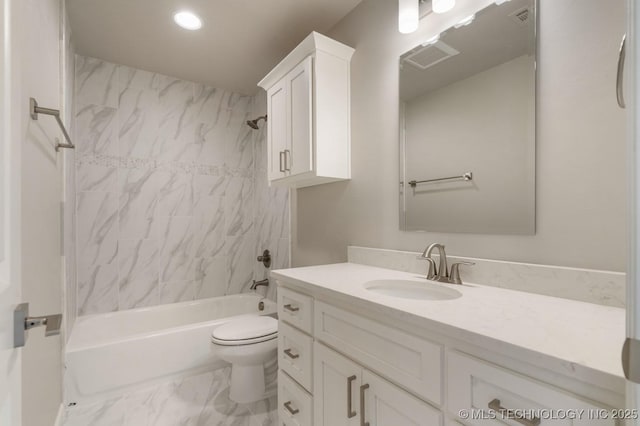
pixel 247 343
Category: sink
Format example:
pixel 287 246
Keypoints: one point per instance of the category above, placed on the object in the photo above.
pixel 406 289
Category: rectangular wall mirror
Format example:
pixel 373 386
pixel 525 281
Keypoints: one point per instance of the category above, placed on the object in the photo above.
pixel 467 125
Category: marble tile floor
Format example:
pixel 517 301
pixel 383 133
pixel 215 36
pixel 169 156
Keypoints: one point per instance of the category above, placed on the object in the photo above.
pixel 200 400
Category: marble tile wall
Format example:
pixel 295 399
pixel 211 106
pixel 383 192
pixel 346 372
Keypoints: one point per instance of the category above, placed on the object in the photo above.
pixel 172 195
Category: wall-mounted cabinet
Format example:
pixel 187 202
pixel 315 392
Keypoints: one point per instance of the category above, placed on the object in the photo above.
pixel 308 107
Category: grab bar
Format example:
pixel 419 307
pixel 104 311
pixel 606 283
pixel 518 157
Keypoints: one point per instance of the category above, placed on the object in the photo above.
pixel 34 110
pixel 467 176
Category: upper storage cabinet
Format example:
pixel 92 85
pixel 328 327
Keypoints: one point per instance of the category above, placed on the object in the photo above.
pixel 308 105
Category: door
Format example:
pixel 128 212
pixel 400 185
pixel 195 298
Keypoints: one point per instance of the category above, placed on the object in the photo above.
pixel 631 359
pixel 10 289
pixel 336 384
pixel 299 155
pixel 388 405
pixel 277 128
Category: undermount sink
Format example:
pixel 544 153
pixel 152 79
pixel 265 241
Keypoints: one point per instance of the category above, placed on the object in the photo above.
pixel 406 289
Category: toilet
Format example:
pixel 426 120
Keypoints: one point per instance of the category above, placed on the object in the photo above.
pixel 247 343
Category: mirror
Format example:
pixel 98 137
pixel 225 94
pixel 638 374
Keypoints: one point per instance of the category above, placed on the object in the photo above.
pixel 467 126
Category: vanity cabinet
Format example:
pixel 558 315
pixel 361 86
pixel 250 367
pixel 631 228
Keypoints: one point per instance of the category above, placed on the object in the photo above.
pixel 348 365
pixel 308 108
pixel 348 394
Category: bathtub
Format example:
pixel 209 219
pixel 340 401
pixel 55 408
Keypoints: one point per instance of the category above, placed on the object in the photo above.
pixel 110 353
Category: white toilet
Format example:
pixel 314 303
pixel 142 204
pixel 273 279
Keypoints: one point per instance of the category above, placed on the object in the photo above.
pixel 247 343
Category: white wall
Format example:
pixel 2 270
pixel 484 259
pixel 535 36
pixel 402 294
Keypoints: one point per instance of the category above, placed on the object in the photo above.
pixel 580 144
pixel 483 124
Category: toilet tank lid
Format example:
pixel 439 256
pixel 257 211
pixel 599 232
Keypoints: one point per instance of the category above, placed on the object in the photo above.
pixel 245 328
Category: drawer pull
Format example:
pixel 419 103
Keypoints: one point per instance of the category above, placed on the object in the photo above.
pixel 290 409
pixel 290 308
pixel 290 354
pixel 362 412
pixel 495 405
pixel 350 412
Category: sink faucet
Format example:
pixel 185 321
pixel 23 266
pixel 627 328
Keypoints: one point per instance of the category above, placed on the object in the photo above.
pixel 441 273
pixel 257 284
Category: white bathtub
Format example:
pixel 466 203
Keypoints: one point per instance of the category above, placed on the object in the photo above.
pixel 108 353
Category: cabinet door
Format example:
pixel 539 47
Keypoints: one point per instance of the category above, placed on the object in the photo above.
pixel 277 129
pixel 336 384
pixel 299 155
pixel 388 405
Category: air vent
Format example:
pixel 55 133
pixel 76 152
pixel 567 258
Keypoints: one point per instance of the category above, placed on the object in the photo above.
pixel 521 16
pixel 427 56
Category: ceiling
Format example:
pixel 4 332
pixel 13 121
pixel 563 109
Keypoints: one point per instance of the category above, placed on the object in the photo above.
pixel 240 40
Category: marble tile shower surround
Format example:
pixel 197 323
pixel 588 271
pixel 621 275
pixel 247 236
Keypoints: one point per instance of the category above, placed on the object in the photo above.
pixel 172 195
pixel 199 400
pixel 586 285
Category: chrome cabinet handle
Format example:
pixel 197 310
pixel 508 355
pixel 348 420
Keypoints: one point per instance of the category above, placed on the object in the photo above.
pixel 495 405
pixel 287 160
pixel 620 74
pixel 290 354
pixel 362 412
pixel 282 169
pixel 290 308
pixel 293 411
pixel 350 412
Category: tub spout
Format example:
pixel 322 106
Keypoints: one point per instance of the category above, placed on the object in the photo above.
pixel 257 284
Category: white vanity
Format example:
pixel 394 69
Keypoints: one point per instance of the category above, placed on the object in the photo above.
pixel 351 355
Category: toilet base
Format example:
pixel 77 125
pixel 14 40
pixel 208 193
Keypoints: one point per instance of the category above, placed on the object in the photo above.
pixel 247 383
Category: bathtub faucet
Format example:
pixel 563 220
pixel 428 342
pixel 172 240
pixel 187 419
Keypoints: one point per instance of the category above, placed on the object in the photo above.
pixel 257 284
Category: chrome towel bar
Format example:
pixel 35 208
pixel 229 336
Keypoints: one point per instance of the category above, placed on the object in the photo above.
pixel 34 110
pixel 465 177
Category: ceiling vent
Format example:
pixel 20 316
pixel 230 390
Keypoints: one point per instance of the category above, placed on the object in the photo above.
pixel 429 55
pixel 521 16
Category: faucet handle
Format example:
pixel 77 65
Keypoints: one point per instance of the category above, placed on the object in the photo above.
pixel 454 277
pixel 432 266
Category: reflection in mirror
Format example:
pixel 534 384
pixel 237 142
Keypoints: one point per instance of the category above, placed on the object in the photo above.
pixel 467 126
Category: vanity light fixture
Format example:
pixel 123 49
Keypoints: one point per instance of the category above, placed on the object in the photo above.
pixel 408 15
pixel 442 6
pixel 188 20
pixel 466 21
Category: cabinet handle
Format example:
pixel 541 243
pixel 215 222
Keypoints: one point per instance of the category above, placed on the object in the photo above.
pixel 287 160
pixel 290 308
pixel 293 411
pixel 350 412
pixel 620 74
pixel 282 169
pixel 290 354
pixel 362 412
pixel 495 405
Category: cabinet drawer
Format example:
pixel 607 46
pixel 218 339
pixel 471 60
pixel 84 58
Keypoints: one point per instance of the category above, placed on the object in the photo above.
pixel 295 405
pixel 295 354
pixel 476 385
pixel 411 362
pixel 295 308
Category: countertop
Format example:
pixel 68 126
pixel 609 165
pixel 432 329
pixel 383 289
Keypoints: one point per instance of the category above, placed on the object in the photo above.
pixel 579 339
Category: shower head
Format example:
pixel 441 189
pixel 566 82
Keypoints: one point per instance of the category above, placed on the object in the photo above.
pixel 254 123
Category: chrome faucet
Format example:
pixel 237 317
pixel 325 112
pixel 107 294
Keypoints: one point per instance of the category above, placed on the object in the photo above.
pixel 441 273
pixel 257 284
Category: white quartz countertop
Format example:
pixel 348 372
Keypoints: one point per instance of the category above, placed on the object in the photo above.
pixel 580 337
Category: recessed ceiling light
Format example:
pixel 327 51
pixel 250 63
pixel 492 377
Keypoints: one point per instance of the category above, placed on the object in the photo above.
pixel 188 20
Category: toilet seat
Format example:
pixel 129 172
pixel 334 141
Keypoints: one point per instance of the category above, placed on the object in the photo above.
pixel 247 330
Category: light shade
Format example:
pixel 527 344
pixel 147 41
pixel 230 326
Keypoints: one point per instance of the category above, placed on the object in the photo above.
pixel 408 16
pixel 187 20
pixel 442 6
